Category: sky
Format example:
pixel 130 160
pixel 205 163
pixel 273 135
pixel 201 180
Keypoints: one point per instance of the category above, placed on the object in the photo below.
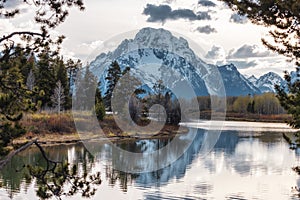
pixel 224 36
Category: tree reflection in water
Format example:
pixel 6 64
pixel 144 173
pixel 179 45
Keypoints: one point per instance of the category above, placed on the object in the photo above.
pixel 52 172
pixel 236 147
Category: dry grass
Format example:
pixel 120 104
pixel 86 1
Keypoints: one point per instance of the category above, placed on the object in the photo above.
pixel 43 123
pixel 54 128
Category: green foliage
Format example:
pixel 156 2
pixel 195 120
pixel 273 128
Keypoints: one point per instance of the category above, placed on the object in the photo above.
pixel 289 98
pixel 99 106
pixel 8 132
pixel 113 75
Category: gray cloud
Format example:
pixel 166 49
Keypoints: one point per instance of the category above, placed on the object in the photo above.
pixel 13 4
pixel 10 5
pixel 207 3
pixel 241 64
pixel 206 29
pixel 168 1
pixel 216 52
pixel 236 18
pixel 163 13
pixel 248 51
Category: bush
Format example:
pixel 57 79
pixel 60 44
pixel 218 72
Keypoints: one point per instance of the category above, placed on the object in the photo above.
pixel 100 110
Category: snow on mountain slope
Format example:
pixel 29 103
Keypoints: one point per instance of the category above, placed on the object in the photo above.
pixel 156 54
pixel 266 83
pixel 235 83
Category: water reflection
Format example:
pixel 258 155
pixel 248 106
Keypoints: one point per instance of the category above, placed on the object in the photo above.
pixel 242 165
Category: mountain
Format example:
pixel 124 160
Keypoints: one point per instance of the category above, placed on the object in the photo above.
pixel 252 79
pixel 235 83
pixel 155 54
pixel 266 82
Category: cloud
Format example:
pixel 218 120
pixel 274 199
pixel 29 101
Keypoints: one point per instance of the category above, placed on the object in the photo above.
pixel 169 1
pixel 243 64
pixel 85 49
pixel 206 3
pixel 206 29
pixel 248 51
pixel 162 13
pixel 13 4
pixel 16 4
pixel 236 18
pixel 216 52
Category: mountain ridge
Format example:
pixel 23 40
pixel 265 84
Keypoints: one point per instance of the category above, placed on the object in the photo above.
pixel 153 52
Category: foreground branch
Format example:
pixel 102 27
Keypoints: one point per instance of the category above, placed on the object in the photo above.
pixel 21 33
pixel 12 154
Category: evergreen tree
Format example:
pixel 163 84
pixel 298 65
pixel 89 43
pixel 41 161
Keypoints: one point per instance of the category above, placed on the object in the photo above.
pixel 113 75
pixel 14 100
pixel 126 95
pixel 72 69
pixel 99 105
pixel 45 78
pixel 86 85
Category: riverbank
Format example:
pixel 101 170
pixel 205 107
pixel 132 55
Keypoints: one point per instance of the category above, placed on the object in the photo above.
pixel 60 128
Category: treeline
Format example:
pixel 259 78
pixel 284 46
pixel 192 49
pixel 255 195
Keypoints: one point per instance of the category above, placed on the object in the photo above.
pixel 266 104
pixel 125 92
pixel 45 79
pixel 47 82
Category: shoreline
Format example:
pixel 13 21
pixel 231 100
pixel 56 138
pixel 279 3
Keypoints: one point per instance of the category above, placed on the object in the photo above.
pixel 74 138
pixel 53 129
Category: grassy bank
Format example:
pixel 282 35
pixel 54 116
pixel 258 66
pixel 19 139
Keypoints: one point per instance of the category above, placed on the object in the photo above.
pixel 60 128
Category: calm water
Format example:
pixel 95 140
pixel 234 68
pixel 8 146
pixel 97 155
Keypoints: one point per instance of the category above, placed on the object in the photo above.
pixel 251 163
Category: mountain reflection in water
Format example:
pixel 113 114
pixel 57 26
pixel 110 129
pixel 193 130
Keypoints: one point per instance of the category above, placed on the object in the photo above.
pixel 242 165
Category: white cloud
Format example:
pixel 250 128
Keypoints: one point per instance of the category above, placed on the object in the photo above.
pixel 83 50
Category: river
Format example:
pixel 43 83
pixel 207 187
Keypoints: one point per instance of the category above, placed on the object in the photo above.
pixel 248 161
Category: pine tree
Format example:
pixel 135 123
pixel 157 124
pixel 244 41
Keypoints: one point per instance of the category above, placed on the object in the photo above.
pixel 45 78
pixel 113 75
pixel 99 105
pixel 86 85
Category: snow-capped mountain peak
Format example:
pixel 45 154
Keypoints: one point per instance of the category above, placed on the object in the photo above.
pixel 266 82
pixel 235 83
pixel 252 79
pixel 152 53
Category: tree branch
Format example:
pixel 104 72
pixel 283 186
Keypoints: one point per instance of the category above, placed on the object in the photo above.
pixel 21 33
pixel 12 154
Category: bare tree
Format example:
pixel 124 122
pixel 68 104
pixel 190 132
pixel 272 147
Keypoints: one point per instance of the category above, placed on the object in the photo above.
pixel 30 82
pixel 58 97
